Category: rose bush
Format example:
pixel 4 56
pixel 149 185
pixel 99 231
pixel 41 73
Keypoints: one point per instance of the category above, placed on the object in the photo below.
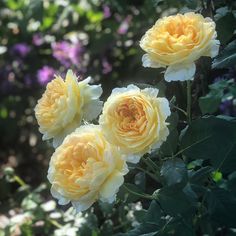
pixel 184 185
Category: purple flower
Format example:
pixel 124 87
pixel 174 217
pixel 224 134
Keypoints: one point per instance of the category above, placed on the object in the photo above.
pixel 106 66
pixel 124 26
pixel 106 11
pixel 75 53
pixel 227 107
pixel 37 39
pixel 20 50
pixel 67 53
pixel 28 80
pixel 45 74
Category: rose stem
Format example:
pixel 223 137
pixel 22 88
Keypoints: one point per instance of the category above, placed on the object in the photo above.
pixel 189 96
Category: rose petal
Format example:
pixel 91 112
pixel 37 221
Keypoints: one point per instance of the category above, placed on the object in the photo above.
pixel 180 72
pixel 148 62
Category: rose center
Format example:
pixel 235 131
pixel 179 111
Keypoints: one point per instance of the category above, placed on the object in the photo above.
pixel 131 114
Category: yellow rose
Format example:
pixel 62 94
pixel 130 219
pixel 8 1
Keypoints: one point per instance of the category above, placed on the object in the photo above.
pixel 176 42
pixel 135 120
pixel 85 168
pixel 65 104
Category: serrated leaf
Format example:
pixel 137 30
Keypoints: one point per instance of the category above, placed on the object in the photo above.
pixel 222 207
pixel 214 139
pixel 174 172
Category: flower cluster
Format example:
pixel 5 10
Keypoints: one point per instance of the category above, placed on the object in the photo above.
pixel 89 162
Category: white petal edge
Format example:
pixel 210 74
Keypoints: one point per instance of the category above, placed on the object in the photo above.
pixel 84 202
pixel 133 158
pixel 153 92
pixel 214 51
pixel 180 72
pixel 111 187
pixel 148 62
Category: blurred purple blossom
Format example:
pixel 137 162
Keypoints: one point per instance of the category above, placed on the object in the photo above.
pixel 67 53
pixel 20 50
pixel 124 26
pixel 106 11
pixel 106 66
pixel 227 107
pixel 28 80
pixel 45 74
pixel 231 74
pixel 6 83
pixel 37 39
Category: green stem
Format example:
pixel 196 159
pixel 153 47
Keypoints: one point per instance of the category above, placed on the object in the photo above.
pixel 177 108
pixel 189 98
pixel 19 181
pixel 55 223
pixel 148 164
pixel 148 173
pixel 152 163
pixel 147 196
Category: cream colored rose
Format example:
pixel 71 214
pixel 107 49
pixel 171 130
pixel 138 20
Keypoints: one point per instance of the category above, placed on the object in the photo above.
pixel 176 42
pixel 85 168
pixel 135 120
pixel 65 104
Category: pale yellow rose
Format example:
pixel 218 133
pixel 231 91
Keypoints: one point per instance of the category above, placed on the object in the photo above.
pixel 135 120
pixel 85 168
pixel 65 104
pixel 176 42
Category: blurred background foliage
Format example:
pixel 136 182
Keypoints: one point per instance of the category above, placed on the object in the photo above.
pixel 101 39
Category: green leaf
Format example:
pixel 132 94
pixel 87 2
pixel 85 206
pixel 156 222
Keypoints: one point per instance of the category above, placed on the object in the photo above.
pixel 225 27
pixel 35 10
pixel 151 223
pixel 222 207
pixel 210 103
pixel 174 172
pixel 227 57
pixel 231 184
pixel 174 202
pixel 142 230
pixel 153 215
pixel 168 148
pixel 173 120
pixel 214 139
pixel 201 174
pixel 140 180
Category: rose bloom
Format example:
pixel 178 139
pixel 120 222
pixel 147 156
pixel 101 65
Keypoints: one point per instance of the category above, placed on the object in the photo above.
pixel 135 120
pixel 86 168
pixel 176 42
pixel 65 104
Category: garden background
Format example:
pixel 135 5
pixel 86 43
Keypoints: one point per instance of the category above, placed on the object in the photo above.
pixel 101 39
